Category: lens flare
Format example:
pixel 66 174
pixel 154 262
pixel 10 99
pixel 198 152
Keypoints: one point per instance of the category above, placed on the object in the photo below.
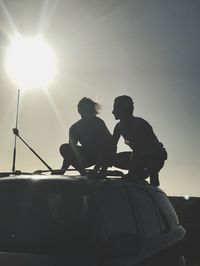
pixel 30 62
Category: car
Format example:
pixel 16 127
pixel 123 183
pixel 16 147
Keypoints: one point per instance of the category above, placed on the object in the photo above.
pixel 68 220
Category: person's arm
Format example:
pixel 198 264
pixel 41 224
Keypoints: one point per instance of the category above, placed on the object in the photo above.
pixel 73 139
pixel 107 152
pixel 115 139
pixel 116 135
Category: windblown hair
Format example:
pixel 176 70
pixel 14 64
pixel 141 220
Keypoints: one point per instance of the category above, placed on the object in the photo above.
pixel 86 106
pixel 125 103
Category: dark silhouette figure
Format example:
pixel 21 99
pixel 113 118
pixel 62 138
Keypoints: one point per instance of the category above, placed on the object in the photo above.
pixel 148 154
pixel 92 135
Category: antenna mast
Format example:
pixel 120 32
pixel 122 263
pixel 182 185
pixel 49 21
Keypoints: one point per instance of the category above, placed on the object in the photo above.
pixel 16 125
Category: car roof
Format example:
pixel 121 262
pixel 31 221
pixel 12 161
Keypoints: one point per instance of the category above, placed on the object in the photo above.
pixel 40 177
pixel 72 179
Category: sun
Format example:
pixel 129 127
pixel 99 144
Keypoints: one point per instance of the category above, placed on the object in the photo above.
pixel 30 62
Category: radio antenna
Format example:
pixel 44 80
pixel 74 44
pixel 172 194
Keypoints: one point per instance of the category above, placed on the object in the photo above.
pixel 16 126
pixel 16 133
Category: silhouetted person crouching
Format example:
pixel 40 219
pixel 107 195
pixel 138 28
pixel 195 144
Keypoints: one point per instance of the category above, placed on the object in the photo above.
pixel 92 135
pixel 148 154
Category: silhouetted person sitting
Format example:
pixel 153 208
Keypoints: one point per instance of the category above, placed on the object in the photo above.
pixel 92 135
pixel 148 154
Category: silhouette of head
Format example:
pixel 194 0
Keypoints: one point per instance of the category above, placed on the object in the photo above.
pixel 123 107
pixel 87 107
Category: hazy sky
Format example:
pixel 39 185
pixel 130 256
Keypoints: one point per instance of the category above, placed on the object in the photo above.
pixel 148 49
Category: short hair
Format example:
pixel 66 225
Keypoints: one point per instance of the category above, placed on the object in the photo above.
pixel 86 106
pixel 125 103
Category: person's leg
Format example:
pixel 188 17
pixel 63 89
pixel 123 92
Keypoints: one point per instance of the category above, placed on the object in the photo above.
pixel 137 168
pixel 132 163
pixel 65 151
pixel 77 157
pixel 122 160
pixel 81 159
pixel 154 165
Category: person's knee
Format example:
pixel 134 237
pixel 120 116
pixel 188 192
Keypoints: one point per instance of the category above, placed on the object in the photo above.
pixel 64 149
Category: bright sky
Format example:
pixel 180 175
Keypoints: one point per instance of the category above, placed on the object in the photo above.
pixel 148 49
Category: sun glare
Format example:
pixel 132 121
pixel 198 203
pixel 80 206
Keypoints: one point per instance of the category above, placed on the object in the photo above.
pixel 30 62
